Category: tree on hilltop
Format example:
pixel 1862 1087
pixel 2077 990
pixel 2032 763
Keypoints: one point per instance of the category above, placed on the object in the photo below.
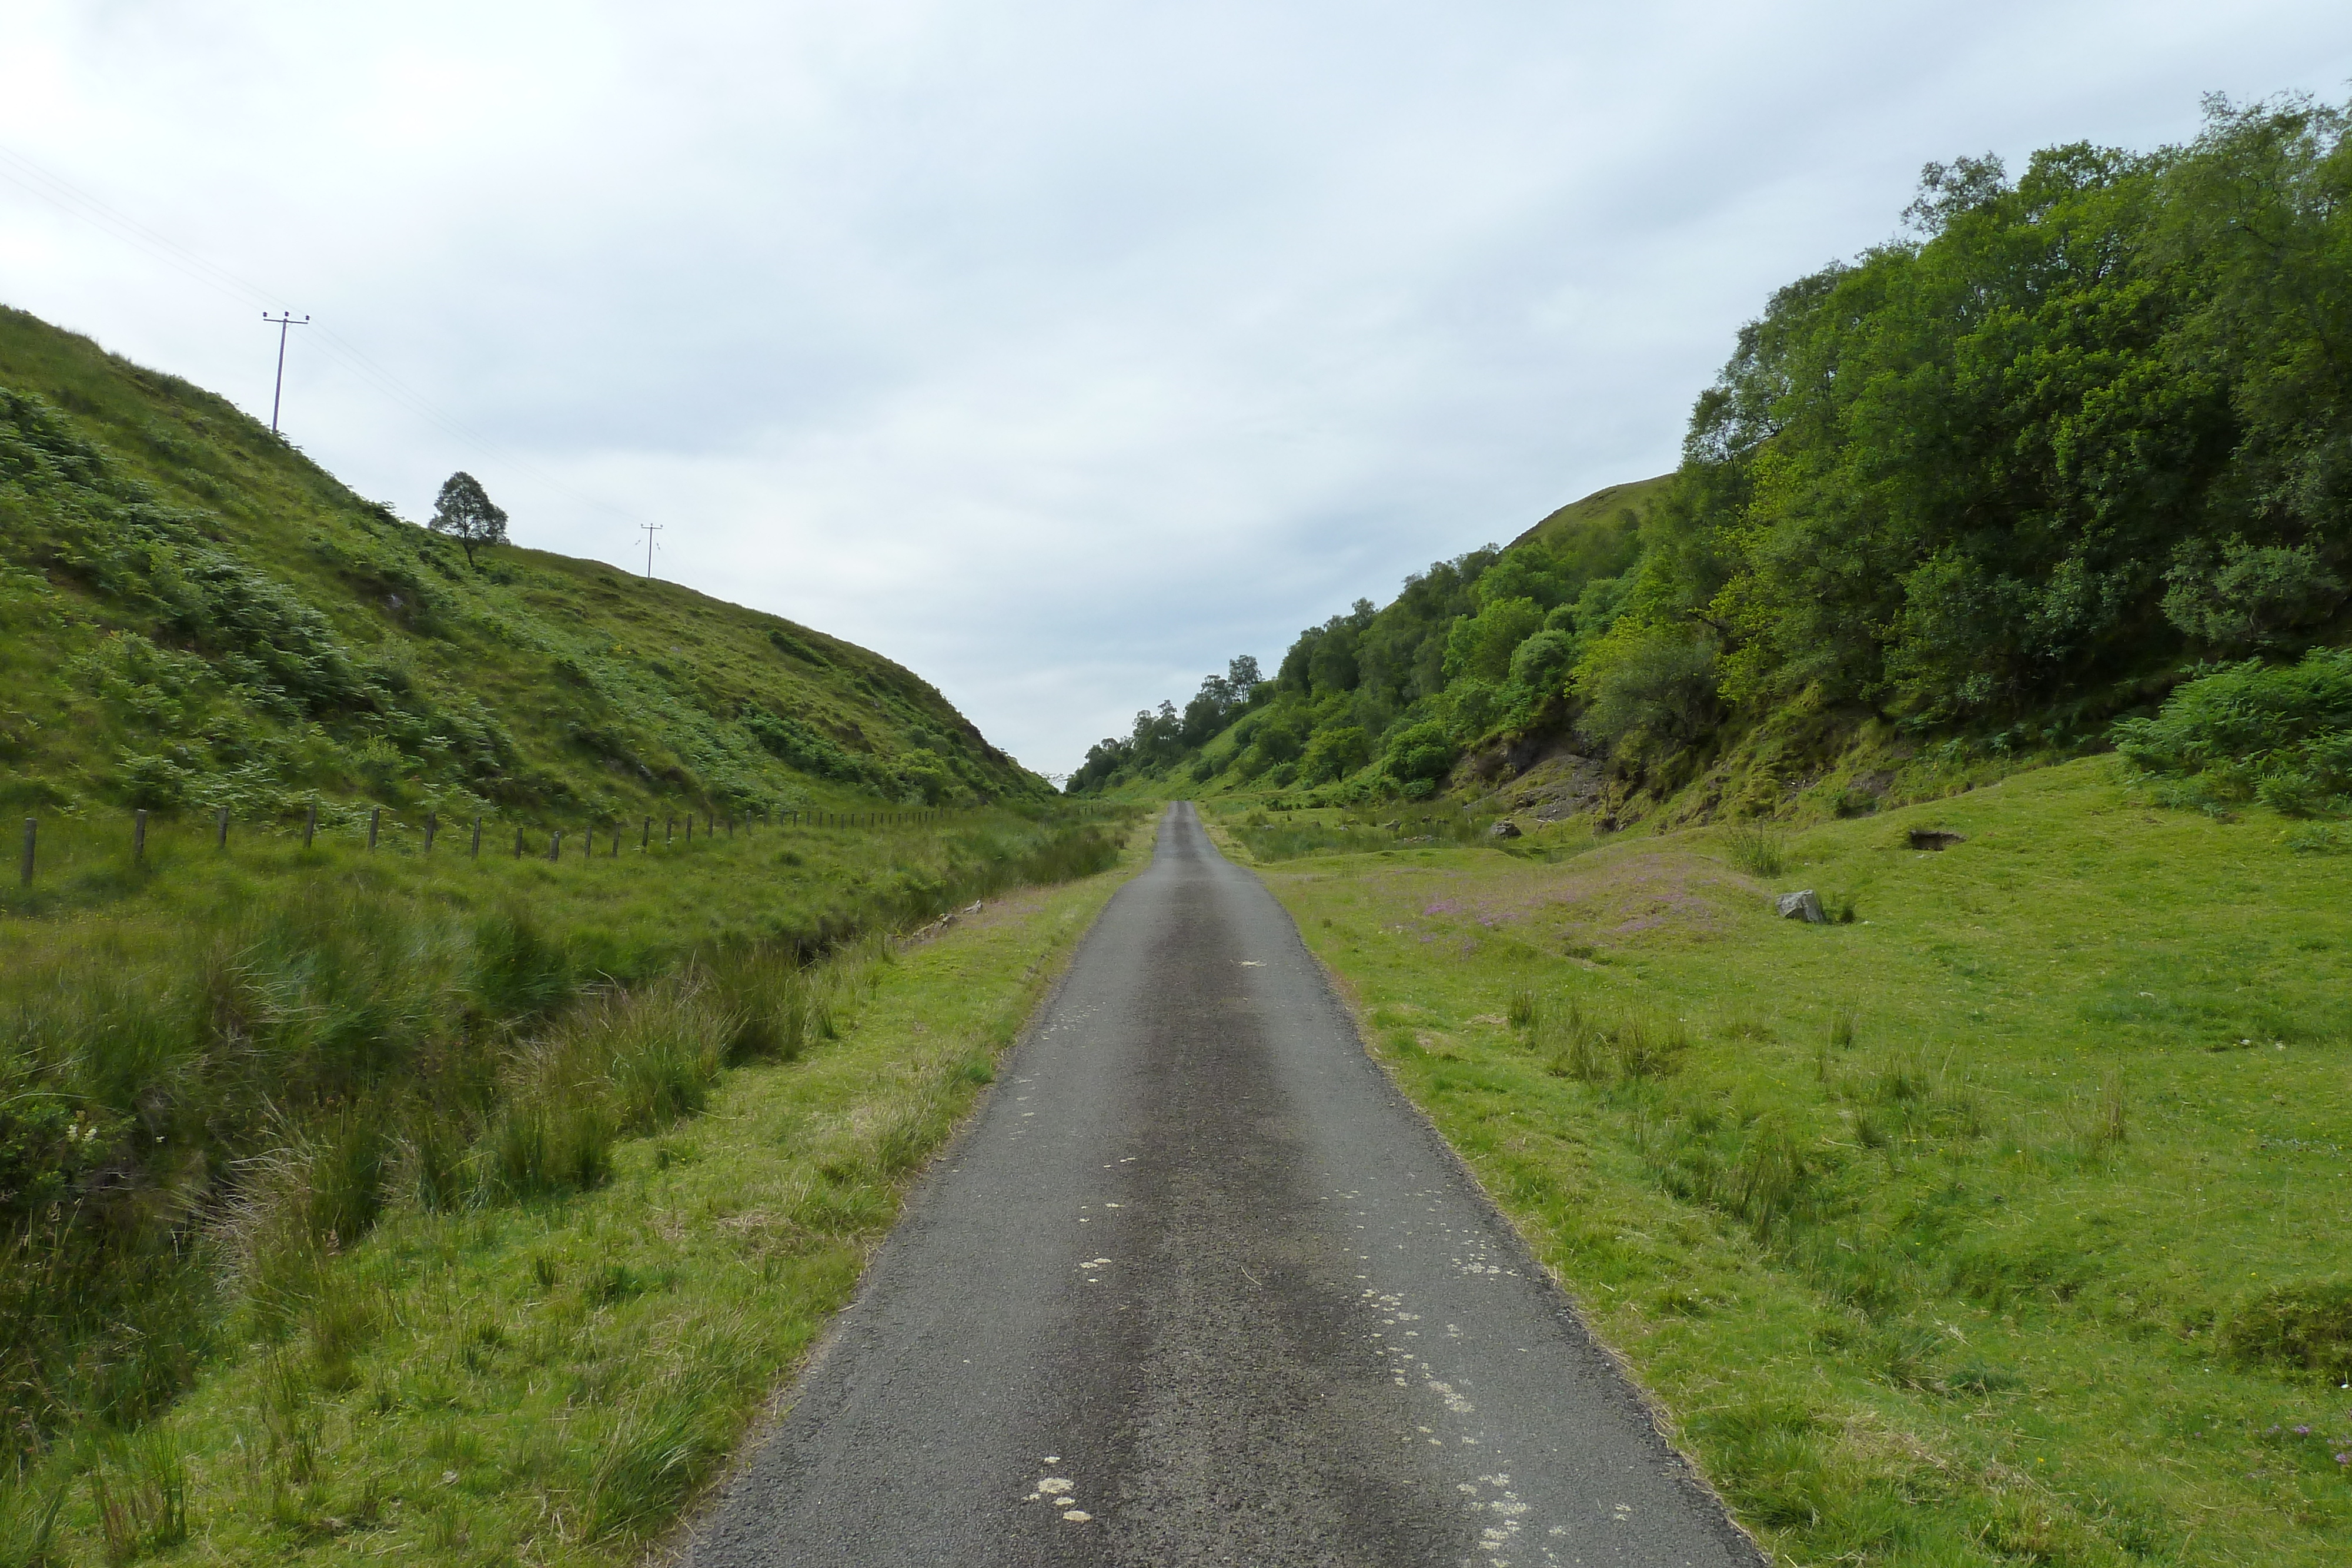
pixel 465 511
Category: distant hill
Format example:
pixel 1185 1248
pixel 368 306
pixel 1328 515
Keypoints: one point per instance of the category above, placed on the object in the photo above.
pixel 193 613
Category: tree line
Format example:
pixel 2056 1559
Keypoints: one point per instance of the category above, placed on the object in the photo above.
pixel 2067 437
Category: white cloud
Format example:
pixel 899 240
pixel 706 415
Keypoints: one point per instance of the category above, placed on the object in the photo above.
pixel 1060 351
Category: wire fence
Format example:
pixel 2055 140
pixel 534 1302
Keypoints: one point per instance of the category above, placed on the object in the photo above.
pixel 83 843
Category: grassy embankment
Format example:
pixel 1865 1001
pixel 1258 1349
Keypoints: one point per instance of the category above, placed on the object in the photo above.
pixel 2004 1224
pixel 194 614
pixel 247 1090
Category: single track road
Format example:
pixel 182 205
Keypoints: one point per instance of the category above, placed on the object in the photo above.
pixel 1196 1286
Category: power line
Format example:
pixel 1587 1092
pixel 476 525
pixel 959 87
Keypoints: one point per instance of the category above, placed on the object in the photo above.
pixel 651 529
pixel 70 198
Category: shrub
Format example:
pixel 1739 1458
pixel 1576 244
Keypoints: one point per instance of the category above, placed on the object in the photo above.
pixel 2252 597
pixel 1333 753
pixel 1640 682
pixel 1481 646
pixel 1542 662
pixel 1420 754
pixel 2279 732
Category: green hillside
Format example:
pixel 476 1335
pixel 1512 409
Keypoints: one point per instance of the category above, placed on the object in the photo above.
pixel 223 1064
pixel 193 613
pixel 1623 503
pixel 2076 437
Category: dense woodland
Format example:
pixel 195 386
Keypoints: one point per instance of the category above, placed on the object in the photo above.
pixel 2073 436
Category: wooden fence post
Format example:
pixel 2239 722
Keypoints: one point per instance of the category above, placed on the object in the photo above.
pixel 588 841
pixel 139 836
pixel 646 843
pixel 310 824
pixel 670 830
pixel 478 835
pixel 690 830
pixel 220 829
pixel 375 820
pixel 555 845
pixel 432 823
pixel 518 840
pixel 617 844
pixel 26 874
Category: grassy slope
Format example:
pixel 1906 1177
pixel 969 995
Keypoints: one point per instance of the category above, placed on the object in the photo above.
pixel 551 1383
pixel 617 695
pixel 1592 510
pixel 1906 1294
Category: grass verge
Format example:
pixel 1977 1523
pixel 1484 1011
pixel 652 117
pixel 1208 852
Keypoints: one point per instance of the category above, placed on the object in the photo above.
pixel 548 1378
pixel 2002 1224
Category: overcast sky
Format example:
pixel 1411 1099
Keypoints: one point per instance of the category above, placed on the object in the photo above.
pixel 1059 352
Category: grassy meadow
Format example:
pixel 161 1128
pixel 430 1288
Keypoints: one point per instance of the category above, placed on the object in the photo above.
pixel 2001 1220
pixel 227 1075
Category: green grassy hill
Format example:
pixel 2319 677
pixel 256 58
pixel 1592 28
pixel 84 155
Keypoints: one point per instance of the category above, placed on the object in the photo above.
pixel 1622 505
pixel 193 613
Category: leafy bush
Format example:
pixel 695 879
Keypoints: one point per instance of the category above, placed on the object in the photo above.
pixel 2254 596
pixel 1333 753
pixel 1646 682
pixel 2279 732
pixel 1481 644
pixel 1542 662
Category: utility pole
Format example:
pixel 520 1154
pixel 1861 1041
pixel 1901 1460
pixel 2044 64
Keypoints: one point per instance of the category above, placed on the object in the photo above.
pixel 651 529
pixel 281 322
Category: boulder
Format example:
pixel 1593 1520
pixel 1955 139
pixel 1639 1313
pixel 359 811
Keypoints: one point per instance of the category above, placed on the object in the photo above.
pixel 1805 906
pixel 1505 828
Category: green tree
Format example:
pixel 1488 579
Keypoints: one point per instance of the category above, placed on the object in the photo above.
pixel 465 511
pixel 1335 754
pixel 1481 646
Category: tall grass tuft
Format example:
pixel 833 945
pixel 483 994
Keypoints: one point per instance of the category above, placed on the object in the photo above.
pixel 2111 1125
pixel 315 1192
pixel 28 1520
pixel 1759 847
pixel 139 1489
pixel 547 1147
pixel 770 999
pixel 1593 1049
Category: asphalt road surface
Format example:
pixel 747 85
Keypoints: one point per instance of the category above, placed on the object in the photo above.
pixel 1198 1287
